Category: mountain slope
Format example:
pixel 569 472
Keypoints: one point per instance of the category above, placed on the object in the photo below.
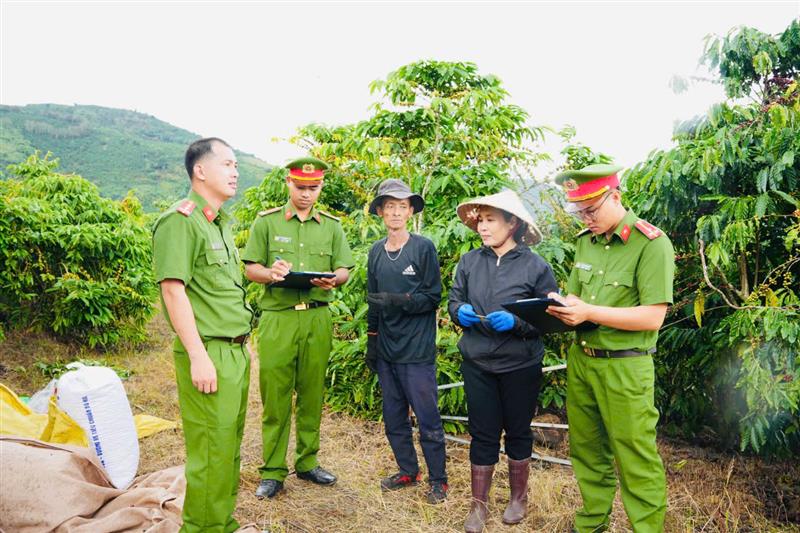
pixel 116 149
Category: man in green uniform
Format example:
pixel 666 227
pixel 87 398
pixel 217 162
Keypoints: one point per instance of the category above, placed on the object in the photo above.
pixel 622 280
pixel 295 329
pixel 197 266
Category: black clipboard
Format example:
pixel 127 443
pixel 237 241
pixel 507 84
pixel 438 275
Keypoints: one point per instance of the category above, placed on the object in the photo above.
pixel 532 311
pixel 301 280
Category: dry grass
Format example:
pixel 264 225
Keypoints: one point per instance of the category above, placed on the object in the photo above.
pixel 708 491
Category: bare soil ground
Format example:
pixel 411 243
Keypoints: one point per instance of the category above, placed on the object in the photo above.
pixel 708 490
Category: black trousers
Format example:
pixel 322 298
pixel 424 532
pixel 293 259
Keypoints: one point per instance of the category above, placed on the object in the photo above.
pixel 498 403
pixel 413 384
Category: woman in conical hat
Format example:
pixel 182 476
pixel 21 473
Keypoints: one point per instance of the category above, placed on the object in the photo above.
pixel 502 364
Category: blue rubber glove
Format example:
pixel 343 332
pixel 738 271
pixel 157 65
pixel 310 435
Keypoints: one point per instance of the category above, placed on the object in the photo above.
pixel 500 320
pixel 467 316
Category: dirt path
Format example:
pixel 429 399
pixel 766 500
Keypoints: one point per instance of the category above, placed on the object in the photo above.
pixel 707 491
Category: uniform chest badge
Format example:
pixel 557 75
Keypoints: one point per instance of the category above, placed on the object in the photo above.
pixel 217 246
pixel 584 266
pixel 281 238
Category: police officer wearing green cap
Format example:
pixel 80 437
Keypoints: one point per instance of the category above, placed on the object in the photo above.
pixel 621 280
pixel 197 266
pixel 295 330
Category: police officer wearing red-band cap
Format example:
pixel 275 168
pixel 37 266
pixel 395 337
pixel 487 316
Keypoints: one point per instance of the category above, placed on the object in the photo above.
pixel 622 280
pixel 295 330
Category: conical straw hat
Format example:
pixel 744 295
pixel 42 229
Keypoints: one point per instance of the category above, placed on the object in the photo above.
pixel 506 200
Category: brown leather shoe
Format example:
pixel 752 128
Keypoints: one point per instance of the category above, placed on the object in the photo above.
pixel 481 481
pixel 518 473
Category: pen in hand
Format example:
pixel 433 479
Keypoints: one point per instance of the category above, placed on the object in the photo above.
pixel 278 276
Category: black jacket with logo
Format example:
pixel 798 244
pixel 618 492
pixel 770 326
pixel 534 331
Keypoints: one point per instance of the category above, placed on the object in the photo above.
pixel 487 281
pixel 408 334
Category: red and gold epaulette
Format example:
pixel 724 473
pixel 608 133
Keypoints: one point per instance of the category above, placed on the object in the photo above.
pixel 321 212
pixel 186 208
pixel 649 230
pixel 268 211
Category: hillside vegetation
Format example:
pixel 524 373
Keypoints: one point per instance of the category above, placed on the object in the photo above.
pixel 116 149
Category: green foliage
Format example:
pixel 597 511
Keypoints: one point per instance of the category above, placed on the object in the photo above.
pixel 447 131
pixel 751 62
pixel 578 155
pixel 73 263
pixel 731 358
pixel 117 150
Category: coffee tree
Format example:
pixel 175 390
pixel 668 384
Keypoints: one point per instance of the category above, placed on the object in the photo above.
pixel 727 194
pixel 72 262
pixel 449 132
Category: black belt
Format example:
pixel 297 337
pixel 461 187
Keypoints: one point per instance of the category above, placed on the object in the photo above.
pixel 614 354
pixel 303 306
pixel 241 339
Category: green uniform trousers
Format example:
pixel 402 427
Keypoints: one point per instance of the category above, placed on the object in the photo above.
pixel 293 351
pixel 213 425
pixel 612 416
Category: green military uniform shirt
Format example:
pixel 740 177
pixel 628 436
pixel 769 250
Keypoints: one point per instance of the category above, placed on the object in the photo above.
pixel 628 270
pixel 317 244
pixel 194 244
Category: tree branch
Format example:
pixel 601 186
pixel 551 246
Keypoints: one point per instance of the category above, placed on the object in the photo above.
pixel 691 317
pixel 743 282
pixel 702 251
pixel 732 291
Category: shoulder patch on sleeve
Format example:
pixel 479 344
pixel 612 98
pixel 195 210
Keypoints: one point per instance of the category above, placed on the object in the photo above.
pixel 186 208
pixel 649 230
pixel 582 232
pixel 268 211
pixel 321 212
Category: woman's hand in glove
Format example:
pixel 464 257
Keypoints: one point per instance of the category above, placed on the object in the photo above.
pixel 467 316
pixel 500 320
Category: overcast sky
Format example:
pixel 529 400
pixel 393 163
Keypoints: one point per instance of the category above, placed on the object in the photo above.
pixel 252 71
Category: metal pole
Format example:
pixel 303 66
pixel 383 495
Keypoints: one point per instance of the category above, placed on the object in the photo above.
pixel 533 424
pixel 545 370
pixel 538 457
pixel 546 425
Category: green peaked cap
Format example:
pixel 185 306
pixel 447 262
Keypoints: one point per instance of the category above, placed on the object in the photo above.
pixel 317 163
pixel 588 173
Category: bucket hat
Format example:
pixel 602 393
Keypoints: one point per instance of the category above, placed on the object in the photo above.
pixel 393 188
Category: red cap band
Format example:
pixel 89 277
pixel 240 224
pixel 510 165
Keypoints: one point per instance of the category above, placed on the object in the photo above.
pixel 593 188
pixel 298 173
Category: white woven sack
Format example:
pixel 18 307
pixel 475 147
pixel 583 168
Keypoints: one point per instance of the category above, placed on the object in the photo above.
pixel 95 398
pixel 40 401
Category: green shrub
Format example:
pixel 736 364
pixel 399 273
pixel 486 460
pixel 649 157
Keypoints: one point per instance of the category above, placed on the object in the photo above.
pixel 73 263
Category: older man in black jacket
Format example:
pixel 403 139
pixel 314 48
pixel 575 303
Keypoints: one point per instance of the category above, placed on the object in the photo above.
pixel 405 289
